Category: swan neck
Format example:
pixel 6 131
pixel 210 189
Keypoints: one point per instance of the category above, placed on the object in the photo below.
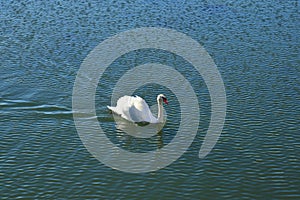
pixel 160 112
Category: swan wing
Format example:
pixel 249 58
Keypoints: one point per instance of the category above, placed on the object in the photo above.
pixel 140 111
pixel 123 106
pixel 133 109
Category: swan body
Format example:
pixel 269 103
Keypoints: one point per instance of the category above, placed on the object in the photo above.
pixel 135 109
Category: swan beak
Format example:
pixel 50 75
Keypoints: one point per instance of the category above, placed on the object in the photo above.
pixel 165 101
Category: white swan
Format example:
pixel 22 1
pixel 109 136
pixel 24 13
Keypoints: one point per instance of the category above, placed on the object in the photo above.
pixel 135 109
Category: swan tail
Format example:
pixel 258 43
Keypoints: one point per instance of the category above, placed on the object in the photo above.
pixel 113 109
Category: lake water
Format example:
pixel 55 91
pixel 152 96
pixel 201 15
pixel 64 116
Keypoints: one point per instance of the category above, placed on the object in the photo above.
pixel 255 45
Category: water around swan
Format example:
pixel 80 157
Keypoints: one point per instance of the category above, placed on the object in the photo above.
pixel 255 45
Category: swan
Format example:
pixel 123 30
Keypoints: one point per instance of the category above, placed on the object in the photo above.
pixel 135 109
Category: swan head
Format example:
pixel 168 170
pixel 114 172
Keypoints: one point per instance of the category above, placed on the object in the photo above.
pixel 162 98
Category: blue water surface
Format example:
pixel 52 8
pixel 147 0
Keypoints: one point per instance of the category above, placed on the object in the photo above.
pixel 255 45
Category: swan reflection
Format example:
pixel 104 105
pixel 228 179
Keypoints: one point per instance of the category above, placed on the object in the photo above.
pixel 138 130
